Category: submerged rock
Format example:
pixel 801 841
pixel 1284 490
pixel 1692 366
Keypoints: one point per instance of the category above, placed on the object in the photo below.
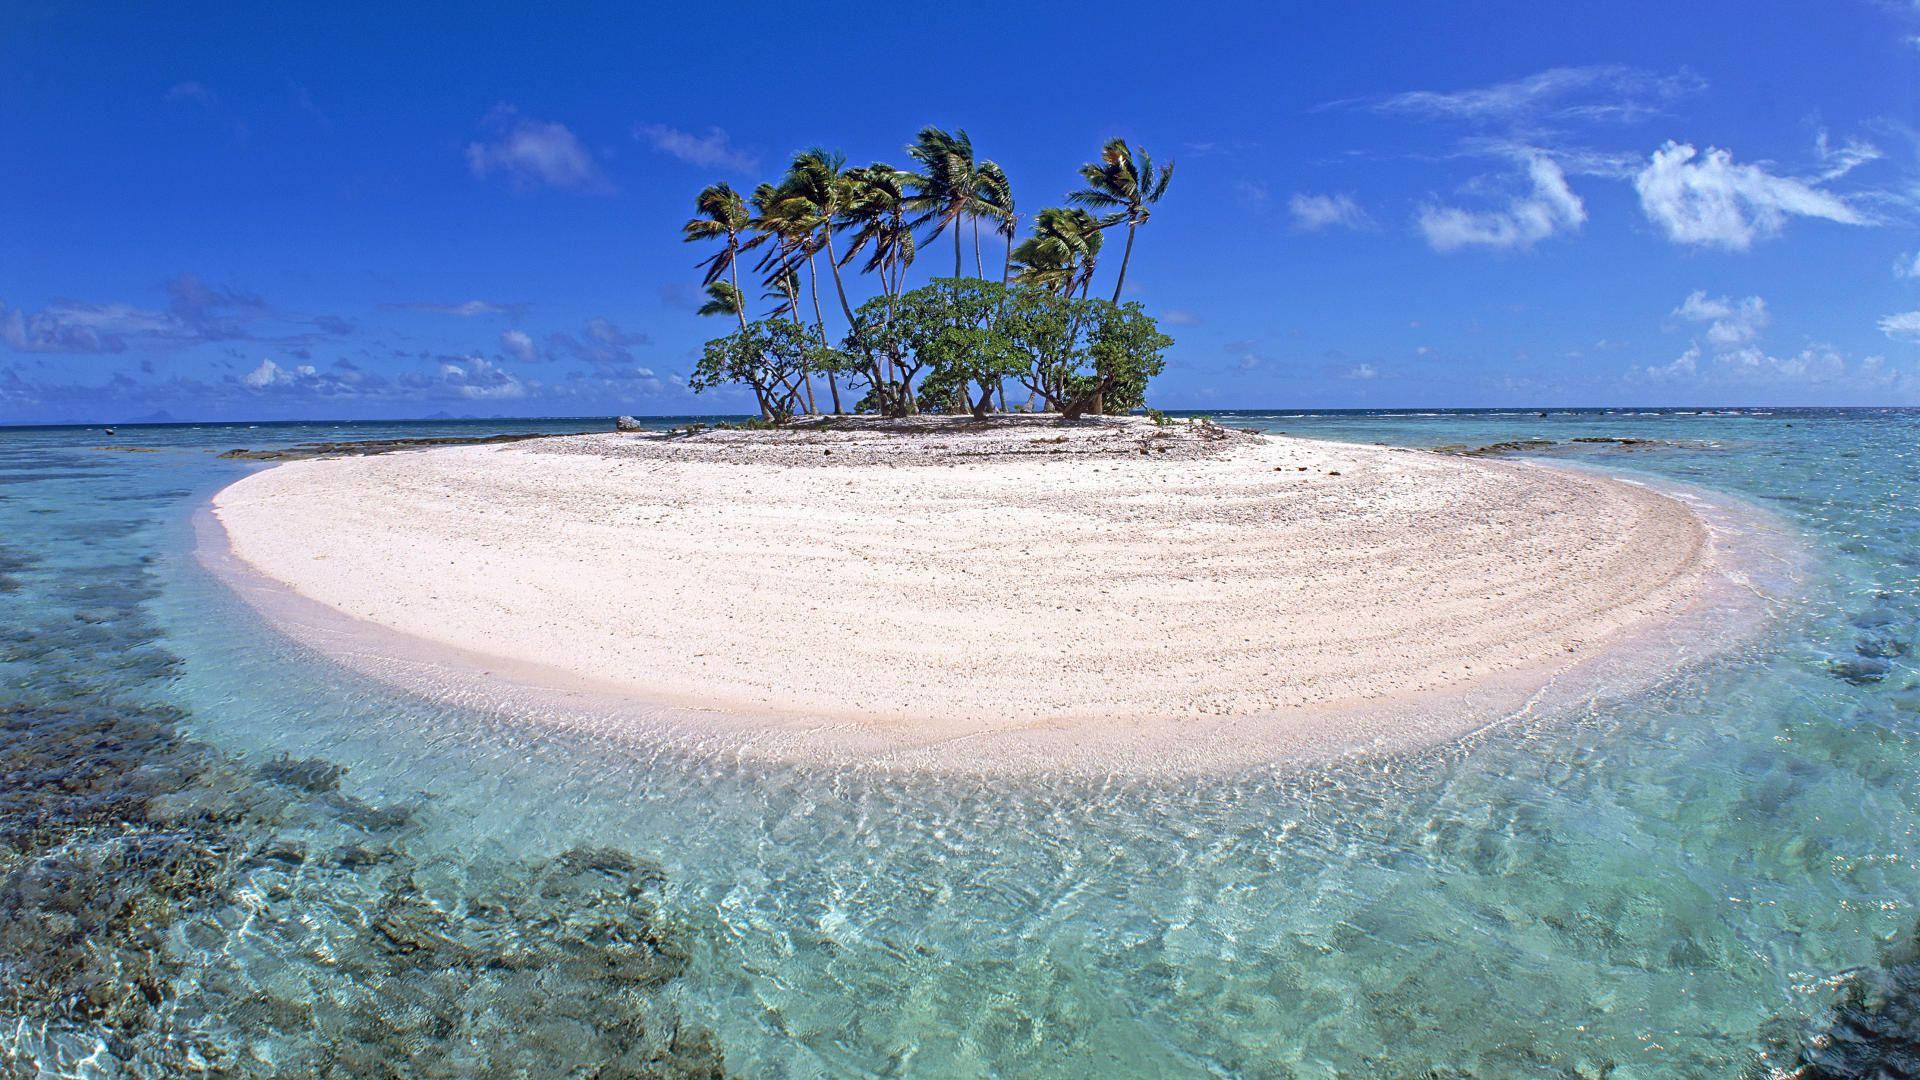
pixel 313 775
pixel 166 910
pixel 1873 1032
pixel 1883 646
pixel 1859 670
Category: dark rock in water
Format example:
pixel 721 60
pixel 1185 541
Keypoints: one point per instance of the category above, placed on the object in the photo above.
pixel 1859 670
pixel 1874 1031
pixel 1880 645
pixel 628 423
pixel 1875 618
pixel 372 446
pixel 314 775
pixel 1513 446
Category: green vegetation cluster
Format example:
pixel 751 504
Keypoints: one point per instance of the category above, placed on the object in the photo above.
pixel 950 345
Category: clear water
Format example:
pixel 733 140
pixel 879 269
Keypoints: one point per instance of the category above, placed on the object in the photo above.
pixel 1674 885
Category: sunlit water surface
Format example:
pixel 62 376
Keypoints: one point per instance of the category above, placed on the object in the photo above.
pixel 1674 885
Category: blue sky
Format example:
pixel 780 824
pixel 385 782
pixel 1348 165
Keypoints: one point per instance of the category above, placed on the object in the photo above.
pixel 227 212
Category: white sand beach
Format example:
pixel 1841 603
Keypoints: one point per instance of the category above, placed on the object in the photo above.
pixel 1072 584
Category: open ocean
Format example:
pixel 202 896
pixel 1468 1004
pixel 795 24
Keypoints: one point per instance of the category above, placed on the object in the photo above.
pixel 222 852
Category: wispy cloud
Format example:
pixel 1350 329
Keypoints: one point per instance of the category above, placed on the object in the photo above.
pixel 532 154
pixel 1312 213
pixel 1602 92
pixel 713 150
pixel 600 342
pixel 465 309
pixel 1838 161
pixel 1549 207
pixel 196 313
pixel 1708 200
pixel 1252 195
pixel 1902 327
pixel 191 92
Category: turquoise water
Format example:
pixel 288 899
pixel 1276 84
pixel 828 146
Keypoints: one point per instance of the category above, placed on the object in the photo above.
pixel 1679 884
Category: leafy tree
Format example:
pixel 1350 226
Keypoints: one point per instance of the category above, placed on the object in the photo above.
pixel 950 324
pixel 1037 329
pixel 1125 350
pixel 1123 180
pixel 769 356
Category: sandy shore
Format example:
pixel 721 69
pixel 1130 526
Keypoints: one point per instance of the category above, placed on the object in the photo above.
pixel 1027 590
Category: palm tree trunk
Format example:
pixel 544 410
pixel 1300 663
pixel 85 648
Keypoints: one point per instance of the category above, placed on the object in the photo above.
pixel 806 376
pixel 1124 256
pixel 979 271
pixel 813 282
pixel 1006 268
pixel 834 265
pixel 739 300
pixel 956 244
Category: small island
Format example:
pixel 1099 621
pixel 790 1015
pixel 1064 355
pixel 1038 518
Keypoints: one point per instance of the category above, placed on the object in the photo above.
pixel 955 534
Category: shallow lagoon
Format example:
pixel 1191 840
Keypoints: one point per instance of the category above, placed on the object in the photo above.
pixel 1670 885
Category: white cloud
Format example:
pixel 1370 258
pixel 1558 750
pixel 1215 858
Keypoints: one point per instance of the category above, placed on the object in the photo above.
pixel 1730 322
pixel 476 378
pixel 1550 207
pixel 1731 340
pixel 1311 213
pixel 1363 371
pixel 1711 201
pixel 713 150
pixel 1902 327
pixel 1682 366
pixel 519 346
pixel 1908 266
pixel 264 376
pixel 532 154
pixel 1180 317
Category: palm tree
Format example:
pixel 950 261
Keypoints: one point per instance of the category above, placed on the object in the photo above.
pixel 877 212
pixel 951 188
pixel 1062 251
pixel 996 191
pixel 722 214
pixel 821 177
pixel 789 221
pixel 722 299
pixel 1123 180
